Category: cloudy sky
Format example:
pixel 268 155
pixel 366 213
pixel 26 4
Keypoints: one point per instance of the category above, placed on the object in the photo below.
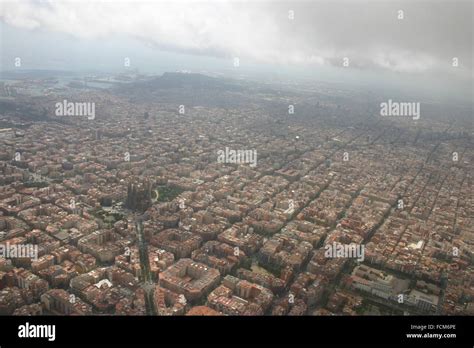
pixel 369 35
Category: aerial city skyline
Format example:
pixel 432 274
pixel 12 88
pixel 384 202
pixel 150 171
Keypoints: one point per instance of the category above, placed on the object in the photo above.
pixel 229 158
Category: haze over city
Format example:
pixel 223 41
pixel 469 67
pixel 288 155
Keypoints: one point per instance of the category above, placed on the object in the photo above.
pixel 231 158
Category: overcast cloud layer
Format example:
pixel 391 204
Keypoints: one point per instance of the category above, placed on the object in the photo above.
pixel 322 32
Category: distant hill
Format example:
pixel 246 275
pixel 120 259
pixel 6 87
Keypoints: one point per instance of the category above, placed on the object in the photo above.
pixel 187 80
pixel 186 88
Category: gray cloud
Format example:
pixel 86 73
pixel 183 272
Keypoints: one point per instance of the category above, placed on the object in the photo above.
pixel 367 32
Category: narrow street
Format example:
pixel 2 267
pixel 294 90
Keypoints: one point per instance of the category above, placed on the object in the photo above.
pixel 146 278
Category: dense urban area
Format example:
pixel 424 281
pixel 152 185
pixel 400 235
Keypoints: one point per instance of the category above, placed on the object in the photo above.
pixel 187 194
